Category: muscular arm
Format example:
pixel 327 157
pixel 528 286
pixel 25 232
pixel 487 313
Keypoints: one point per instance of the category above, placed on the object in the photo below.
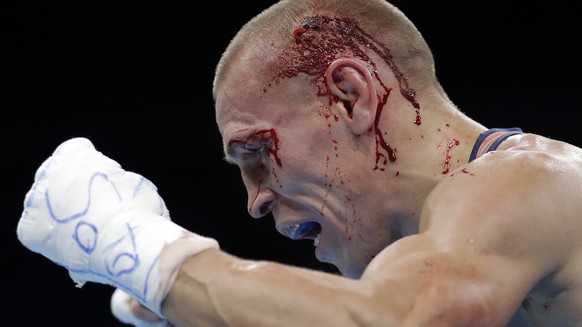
pixel 420 288
pixel 482 248
pixel 229 291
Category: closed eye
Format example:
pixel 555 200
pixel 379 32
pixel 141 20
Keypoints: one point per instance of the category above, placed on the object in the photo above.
pixel 252 148
pixel 245 153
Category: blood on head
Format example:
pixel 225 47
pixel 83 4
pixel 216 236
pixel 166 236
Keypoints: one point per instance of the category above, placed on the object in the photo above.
pixel 319 41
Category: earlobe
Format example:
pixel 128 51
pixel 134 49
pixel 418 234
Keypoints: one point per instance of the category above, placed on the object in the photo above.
pixel 352 85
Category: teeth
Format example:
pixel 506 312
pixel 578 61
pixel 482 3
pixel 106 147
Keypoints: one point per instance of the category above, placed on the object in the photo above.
pixel 316 240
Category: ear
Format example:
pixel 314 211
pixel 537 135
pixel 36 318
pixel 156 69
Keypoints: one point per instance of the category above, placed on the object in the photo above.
pixel 353 86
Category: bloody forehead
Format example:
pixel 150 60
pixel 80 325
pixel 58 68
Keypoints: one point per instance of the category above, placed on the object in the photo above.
pixel 319 40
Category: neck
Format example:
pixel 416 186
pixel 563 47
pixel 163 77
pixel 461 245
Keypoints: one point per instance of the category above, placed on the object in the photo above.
pixel 441 143
pixel 426 154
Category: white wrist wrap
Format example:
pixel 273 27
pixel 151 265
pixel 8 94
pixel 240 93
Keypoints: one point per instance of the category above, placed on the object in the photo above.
pixel 104 224
pixel 121 309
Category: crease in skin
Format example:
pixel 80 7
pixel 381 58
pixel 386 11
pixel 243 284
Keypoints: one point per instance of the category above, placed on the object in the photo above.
pixel 214 299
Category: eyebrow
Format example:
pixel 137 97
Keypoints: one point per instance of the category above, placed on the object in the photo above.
pixel 239 150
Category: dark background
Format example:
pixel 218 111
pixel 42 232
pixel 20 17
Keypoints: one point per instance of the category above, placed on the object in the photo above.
pixel 135 78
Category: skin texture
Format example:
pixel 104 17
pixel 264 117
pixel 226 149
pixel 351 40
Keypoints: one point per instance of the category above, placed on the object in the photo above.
pixel 427 239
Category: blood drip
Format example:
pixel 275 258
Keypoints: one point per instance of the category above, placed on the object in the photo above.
pixel 319 41
pixel 447 164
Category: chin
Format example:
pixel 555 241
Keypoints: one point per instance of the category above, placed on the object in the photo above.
pixel 350 271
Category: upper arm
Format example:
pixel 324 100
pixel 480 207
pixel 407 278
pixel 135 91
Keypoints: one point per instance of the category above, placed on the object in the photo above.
pixel 440 287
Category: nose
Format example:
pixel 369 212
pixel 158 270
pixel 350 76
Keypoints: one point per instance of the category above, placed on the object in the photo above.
pixel 262 202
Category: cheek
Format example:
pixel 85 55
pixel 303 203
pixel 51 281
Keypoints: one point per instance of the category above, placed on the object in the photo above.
pixel 302 159
pixel 362 222
pixel 316 139
pixel 318 153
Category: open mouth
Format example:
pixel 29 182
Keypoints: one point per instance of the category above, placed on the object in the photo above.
pixel 306 230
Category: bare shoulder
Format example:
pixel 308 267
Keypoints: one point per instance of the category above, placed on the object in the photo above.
pixel 521 205
pixel 536 145
pixel 510 222
pixel 523 200
pixel 519 198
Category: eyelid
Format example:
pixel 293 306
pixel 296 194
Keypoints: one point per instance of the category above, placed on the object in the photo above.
pixel 244 153
pixel 253 147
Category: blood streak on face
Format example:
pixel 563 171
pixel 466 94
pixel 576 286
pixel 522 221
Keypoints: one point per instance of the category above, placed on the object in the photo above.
pixel 271 135
pixel 319 41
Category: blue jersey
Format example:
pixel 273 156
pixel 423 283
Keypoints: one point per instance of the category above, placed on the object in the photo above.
pixel 489 140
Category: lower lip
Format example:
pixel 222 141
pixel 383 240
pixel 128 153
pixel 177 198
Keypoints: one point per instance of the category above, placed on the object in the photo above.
pixel 321 252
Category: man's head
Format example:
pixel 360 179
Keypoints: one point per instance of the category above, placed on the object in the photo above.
pixel 302 94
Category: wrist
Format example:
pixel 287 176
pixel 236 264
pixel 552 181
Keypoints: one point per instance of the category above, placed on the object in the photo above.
pixel 135 254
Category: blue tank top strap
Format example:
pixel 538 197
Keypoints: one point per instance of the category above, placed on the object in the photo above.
pixel 489 140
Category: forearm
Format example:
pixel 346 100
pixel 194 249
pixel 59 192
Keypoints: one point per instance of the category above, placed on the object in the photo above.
pixel 216 289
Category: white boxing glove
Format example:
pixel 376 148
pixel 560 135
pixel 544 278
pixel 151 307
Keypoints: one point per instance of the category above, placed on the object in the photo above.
pixel 104 224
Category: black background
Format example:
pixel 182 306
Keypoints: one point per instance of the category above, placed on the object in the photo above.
pixel 135 78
